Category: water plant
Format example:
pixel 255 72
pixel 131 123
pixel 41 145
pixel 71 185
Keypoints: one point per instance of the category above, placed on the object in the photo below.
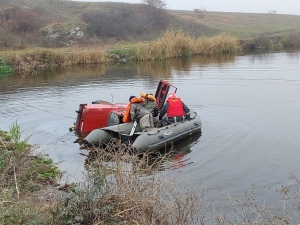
pixel 4 69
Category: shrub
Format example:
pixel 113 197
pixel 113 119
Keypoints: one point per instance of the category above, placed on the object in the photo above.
pixel 19 20
pixel 4 70
pixel 126 22
pixel 292 39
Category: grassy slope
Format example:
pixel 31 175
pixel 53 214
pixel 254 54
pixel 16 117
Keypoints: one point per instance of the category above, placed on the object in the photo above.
pixel 243 25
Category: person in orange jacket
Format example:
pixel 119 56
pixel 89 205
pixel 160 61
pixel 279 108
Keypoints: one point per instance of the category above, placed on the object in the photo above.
pixel 176 110
pixel 151 105
pixel 136 112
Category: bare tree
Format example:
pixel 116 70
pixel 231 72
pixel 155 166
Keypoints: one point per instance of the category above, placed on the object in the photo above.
pixel 160 4
pixel 201 11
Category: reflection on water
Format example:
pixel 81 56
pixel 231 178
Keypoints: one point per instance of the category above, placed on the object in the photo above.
pixel 168 68
pixel 69 75
pixel 173 157
pixel 249 106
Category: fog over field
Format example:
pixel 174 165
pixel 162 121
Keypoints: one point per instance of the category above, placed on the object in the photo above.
pixel 246 6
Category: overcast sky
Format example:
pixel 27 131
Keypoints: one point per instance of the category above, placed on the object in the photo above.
pixel 247 6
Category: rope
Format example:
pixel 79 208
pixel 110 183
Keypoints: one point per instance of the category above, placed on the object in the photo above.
pixel 48 111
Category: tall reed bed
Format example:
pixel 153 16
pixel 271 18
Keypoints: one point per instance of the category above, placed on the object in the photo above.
pixel 27 60
pixel 174 44
pixel 221 43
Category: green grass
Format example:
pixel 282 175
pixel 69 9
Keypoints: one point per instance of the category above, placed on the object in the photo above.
pixel 125 53
pixel 4 69
pixel 29 171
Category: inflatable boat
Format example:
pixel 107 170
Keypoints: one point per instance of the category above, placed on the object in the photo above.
pixel 101 122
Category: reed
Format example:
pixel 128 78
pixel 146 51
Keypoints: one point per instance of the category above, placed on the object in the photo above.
pixel 171 45
pixel 27 60
pixel 221 43
pixel 174 44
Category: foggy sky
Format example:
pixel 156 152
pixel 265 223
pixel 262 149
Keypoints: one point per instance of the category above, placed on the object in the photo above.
pixel 246 6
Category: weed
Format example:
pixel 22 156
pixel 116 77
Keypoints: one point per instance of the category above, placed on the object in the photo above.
pixel 4 69
pixel 15 136
pixel 20 170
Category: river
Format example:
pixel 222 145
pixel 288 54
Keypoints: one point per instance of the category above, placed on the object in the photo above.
pixel 249 107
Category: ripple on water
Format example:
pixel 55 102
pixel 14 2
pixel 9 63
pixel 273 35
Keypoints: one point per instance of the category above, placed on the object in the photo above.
pixel 248 105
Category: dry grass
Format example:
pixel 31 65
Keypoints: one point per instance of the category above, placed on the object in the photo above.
pixel 21 175
pixel 39 58
pixel 171 45
pixel 123 187
pixel 65 15
pixel 132 189
pixel 222 43
pixel 174 44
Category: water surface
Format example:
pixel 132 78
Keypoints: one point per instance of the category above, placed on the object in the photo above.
pixel 249 106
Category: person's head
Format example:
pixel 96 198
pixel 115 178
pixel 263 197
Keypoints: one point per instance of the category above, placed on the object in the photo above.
pixel 131 97
pixel 172 95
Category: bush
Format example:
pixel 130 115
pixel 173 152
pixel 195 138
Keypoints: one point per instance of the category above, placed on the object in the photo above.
pixel 19 21
pixel 292 39
pixel 4 70
pixel 126 22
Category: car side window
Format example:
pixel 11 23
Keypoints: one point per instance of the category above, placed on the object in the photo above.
pixel 113 119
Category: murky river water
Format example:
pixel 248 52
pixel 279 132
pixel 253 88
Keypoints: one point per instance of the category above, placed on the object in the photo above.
pixel 249 106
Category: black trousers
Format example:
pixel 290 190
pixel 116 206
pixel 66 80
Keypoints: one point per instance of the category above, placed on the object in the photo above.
pixel 175 119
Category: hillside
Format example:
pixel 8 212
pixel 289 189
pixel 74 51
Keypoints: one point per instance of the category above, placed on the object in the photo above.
pixel 59 23
pixel 244 25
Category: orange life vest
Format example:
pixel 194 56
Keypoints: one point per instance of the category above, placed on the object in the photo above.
pixel 147 96
pixel 175 107
pixel 127 117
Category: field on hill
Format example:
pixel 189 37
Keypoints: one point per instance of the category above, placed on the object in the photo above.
pixel 62 23
pixel 244 25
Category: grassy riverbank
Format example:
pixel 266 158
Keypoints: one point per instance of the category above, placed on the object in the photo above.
pixel 171 45
pixel 123 192
pixel 62 33
pixel 24 176
pixel 121 187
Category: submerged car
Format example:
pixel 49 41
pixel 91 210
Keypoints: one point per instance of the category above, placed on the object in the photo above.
pixel 101 122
